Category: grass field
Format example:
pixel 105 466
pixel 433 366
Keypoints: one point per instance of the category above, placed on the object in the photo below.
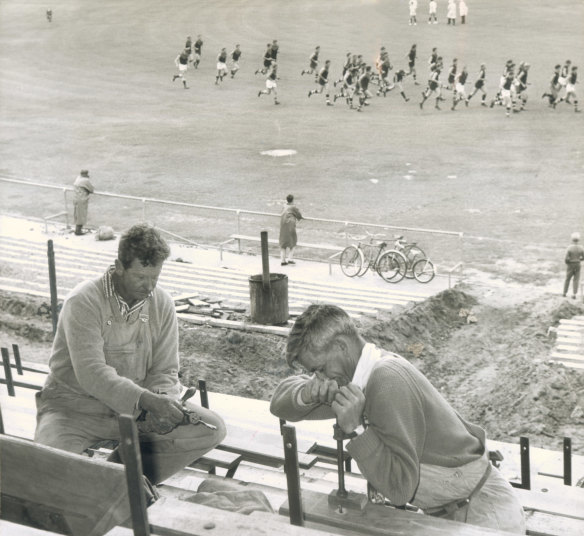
pixel 93 90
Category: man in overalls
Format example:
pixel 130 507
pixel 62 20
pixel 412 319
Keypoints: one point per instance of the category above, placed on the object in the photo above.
pixel 116 352
pixel 408 442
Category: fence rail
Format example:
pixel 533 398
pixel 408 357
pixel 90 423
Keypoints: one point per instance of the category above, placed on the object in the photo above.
pixel 336 231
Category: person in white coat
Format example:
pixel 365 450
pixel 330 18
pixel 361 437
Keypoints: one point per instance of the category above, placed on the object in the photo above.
pixel 463 11
pixel 451 13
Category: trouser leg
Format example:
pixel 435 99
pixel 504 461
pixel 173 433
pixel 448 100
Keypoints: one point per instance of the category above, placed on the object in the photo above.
pixel 164 455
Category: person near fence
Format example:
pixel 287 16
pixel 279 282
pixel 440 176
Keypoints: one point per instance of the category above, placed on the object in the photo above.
pixel 288 238
pixel 83 189
pixel 574 255
pixel 116 352
pixel 407 440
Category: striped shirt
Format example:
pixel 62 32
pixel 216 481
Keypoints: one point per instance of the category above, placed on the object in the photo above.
pixel 109 290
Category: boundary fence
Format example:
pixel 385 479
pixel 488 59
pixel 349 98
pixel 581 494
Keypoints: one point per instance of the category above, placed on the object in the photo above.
pixel 209 226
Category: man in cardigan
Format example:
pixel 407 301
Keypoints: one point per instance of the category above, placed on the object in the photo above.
pixel 409 443
pixel 116 352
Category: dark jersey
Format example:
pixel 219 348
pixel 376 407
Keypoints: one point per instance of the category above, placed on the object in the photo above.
pixel 274 51
pixel 573 77
pixel 508 83
pixel 198 46
pixel 452 74
pixel 364 81
pixel 183 58
pixel 273 74
pixel 323 76
pixel 189 45
pixel 222 57
pixel 565 71
pixel 236 54
pixel 556 79
pixel 399 76
pixel 462 77
pixel 412 56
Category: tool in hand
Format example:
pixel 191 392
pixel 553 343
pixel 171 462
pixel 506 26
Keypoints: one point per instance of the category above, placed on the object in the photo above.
pixel 189 393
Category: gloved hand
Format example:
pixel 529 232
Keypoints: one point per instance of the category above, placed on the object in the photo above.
pixel 160 413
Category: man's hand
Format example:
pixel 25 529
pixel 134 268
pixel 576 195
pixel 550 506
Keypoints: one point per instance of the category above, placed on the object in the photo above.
pixel 163 413
pixel 319 390
pixel 348 406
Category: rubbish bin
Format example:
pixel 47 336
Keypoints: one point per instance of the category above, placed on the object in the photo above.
pixel 269 302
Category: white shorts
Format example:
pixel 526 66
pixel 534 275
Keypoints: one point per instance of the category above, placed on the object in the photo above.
pixel 221 66
pixel 271 84
pixel 459 88
pixel 182 67
pixel 570 88
pixel 562 81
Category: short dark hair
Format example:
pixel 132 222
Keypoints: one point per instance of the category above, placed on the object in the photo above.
pixel 289 198
pixel 143 242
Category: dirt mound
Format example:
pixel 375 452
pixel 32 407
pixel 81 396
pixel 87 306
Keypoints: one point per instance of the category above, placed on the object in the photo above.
pixel 489 359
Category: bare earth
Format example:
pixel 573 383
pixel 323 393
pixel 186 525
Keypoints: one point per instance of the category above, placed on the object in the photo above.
pixel 486 351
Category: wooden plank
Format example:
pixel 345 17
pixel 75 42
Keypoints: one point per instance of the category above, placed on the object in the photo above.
pixel 539 524
pixel 383 521
pixel 568 503
pixel 170 517
pixel 14 529
pixel 37 478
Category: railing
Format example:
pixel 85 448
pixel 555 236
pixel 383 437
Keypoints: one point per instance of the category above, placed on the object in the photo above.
pixel 255 220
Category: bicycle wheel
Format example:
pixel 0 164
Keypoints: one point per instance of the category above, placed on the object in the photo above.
pixel 391 266
pixel 351 261
pixel 412 254
pixel 424 270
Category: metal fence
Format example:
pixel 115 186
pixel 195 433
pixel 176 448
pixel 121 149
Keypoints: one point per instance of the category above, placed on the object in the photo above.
pixel 209 226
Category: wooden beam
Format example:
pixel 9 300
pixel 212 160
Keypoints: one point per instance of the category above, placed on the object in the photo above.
pixel 379 520
pixel 89 495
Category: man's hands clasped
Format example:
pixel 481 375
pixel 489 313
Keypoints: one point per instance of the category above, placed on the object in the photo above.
pixel 347 402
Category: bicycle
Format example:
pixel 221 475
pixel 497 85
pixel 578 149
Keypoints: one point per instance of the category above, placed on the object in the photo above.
pixel 424 272
pixel 356 260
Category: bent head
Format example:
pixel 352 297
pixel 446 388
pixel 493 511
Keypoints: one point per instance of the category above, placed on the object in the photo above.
pixel 325 341
pixel 141 254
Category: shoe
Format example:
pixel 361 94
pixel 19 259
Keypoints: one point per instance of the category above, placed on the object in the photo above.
pixel 335 98
pixel 276 102
pixel 466 103
pixel 309 93
pixel 484 104
pixel 421 106
pixel 259 93
pixel 292 262
pixel 407 100
pixel 329 103
pixel 574 296
pixel 283 263
pixel 437 107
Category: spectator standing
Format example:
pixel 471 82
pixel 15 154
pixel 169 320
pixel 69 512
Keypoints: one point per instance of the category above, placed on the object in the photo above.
pixel 432 7
pixel 49 14
pixel 413 5
pixel 463 11
pixel 574 255
pixel 83 189
pixel 451 12
pixel 288 238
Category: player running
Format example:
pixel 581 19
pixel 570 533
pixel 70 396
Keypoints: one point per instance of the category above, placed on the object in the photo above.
pixel 266 60
pixel 459 89
pixel 362 88
pixel 398 78
pixel 571 88
pixel 221 66
pixel 271 84
pixel 182 64
pixel 349 86
pixel 198 46
pixel 412 55
pixel 520 85
pixel 479 85
pixel 322 81
pixel 554 87
pixel 434 85
pixel 313 62
pixel 235 55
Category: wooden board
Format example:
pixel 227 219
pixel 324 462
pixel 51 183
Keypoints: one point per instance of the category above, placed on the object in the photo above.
pixel 88 496
pixel 383 521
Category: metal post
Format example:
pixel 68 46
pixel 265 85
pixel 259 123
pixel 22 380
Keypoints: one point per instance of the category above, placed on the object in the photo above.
pixel 338 435
pixel 238 224
pixel 292 475
pixel 53 284
pixel 17 361
pixel 143 209
pixel 1 423
pixel 525 463
pixel 7 371
pixel 567 461
pixel 130 447
pixel 66 208
pixel 203 394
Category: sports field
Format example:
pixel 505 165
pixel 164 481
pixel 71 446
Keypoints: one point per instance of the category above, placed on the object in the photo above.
pixel 93 89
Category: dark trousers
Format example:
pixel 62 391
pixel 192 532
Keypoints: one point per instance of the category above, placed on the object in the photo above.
pixel 572 271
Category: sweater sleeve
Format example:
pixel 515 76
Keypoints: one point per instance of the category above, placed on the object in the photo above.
pixel 284 403
pixel 81 322
pixel 389 450
pixel 162 376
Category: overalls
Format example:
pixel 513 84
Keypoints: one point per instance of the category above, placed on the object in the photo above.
pixel 73 422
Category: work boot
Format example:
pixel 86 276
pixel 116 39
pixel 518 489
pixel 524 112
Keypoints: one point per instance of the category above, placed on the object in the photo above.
pixel 79 230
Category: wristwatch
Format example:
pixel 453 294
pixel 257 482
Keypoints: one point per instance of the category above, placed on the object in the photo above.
pixel 359 430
